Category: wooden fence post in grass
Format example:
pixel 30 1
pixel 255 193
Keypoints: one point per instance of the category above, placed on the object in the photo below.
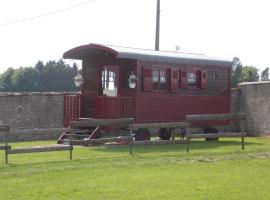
pixel 242 134
pixel 70 145
pixel 5 129
pixel 6 147
pixel 130 141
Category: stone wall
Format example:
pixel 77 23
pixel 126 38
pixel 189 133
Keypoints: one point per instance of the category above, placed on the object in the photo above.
pixel 254 100
pixel 32 111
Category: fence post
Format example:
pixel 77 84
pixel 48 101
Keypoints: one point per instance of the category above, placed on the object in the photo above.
pixel 188 140
pixel 6 144
pixel 242 134
pixel 70 145
pixel 130 141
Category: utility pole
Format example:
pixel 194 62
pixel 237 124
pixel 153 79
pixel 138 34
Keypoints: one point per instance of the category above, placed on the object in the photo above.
pixel 157 26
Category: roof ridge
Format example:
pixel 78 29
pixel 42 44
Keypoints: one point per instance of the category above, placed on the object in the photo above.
pixel 167 51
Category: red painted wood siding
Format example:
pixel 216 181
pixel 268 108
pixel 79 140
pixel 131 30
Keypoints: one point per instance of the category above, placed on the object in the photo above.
pixel 167 107
pixel 115 107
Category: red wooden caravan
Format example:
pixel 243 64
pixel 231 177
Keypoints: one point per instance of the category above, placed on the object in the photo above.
pixel 148 85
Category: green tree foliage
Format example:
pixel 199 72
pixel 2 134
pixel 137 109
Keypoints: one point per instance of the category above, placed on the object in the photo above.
pixel 40 66
pixel 249 74
pixel 52 76
pixel 265 75
pixel 5 80
pixel 236 71
pixel 25 79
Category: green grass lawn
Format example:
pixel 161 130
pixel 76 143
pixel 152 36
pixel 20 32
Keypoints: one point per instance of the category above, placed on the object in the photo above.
pixel 212 170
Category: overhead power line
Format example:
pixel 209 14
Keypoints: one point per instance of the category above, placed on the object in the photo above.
pixel 46 14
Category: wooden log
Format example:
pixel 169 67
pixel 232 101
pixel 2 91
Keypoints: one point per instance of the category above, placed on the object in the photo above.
pixel 161 125
pixel 213 117
pixel 99 141
pixel 39 149
pixel 5 147
pixel 158 142
pixel 215 135
pixel 90 122
pixel 38 131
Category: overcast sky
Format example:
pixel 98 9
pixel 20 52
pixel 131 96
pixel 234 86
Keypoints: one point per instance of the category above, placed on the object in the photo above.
pixel 223 28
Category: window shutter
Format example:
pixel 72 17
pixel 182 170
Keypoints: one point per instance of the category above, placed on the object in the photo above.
pixel 183 79
pixel 203 79
pixel 199 79
pixel 174 80
pixel 147 80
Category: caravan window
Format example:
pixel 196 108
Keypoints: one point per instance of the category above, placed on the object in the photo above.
pixel 108 81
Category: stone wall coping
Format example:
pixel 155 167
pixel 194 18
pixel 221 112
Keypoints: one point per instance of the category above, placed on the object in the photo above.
pixel 254 83
pixel 8 94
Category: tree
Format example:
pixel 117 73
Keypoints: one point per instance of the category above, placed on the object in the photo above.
pixel 5 80
pixel 25 79
pixel 249 74
pixel 236 71
pixel 58 76
pixel 52 76
pixel 39 66
pixel 265 75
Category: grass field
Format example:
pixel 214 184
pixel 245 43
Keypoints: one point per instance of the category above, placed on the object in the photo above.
pixel 212 170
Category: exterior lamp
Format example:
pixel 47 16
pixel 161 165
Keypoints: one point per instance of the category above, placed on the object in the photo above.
pixel 132 80
pixel 78 81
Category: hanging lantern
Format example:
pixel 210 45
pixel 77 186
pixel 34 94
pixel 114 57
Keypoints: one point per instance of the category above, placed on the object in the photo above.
pixel 132 80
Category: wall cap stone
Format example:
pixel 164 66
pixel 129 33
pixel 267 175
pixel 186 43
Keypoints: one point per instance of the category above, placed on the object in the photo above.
pixel 254 83
pixel 9 94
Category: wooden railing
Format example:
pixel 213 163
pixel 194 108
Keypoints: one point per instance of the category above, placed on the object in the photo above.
pixel 71 108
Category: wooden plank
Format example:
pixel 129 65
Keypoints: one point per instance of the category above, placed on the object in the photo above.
pixel 158 142
pixel 99 141
pixel 90 122
pixel 5 147
pixel 215 135
pixel 38 131
pixel 161 125
pixel 212 117
pixel 39 149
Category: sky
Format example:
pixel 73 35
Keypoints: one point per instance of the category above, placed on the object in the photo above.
pixel 222 28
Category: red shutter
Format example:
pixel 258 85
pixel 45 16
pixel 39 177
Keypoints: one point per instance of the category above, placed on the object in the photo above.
pixel 174 81
pixel 183 79
pixel 203 79
pixel 198 79
pixel 147 79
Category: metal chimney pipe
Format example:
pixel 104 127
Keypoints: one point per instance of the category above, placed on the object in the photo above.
pixel 157 26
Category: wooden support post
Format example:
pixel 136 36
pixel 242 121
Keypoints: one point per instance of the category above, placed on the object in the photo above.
pixel 188 141
pixel 242 134
pixel 6 143
pixel 130 141
pixel 70 145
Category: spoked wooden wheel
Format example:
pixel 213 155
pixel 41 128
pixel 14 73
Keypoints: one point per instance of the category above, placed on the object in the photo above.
pixel 142 134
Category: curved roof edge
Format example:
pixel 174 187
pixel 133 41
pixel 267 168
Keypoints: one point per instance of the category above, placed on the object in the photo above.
pixel 78 52
pixel 145 54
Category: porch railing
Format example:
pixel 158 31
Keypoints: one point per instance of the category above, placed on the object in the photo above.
pixel 71 108
pixel 104 107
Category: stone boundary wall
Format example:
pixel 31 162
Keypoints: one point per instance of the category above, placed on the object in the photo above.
pixel 32 110
pixel 254 100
